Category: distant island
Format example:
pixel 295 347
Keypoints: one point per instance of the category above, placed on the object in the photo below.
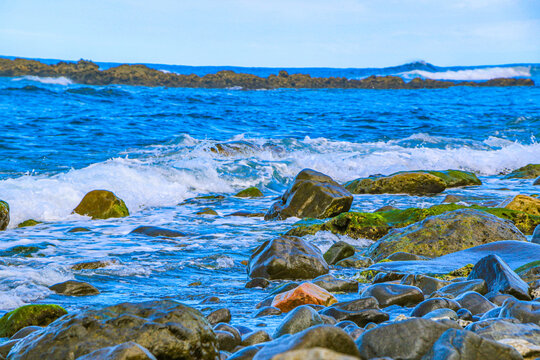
pixel 88 73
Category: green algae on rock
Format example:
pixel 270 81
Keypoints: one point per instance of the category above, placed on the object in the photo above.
pixel 29 315
pixel 524 203
pixel 207 211
pixel 412 183
pixel 526 172
pixel 102 204
pixel 456 178
pixel 4 215
pixel 250 192
pixel 29 222
pixel 446 233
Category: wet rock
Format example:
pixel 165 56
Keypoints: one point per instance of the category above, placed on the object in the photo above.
pixel 498 329
pixel 446 233
pixel 313 195
pixel 524 311
pixel 5 347
pixel 29 315
pixel 352 329
pixel 457 288
pixel 441 314
pixel 287 257
pixel 526 172
pixel 333 284
pixel 234 148
pixel 268 311
pixel 257 283
pixel 412 183
pixel 125 351
pixel 321 336
pixel 313 354
pixel 101 204
pixel 394 294
pixel 92 265
pixel 74 288
pixel 207 211
pixel 537 181
pixel 304 294
pixel 211 300
pixel 246 353
pixel 383 277
pixel 499 277
pixel 78 229
pixel 355 261
pixel 498 299
pixel 386 208
pixel 355 305
pixel 29 222
pixel 463 344
pixel 250 192
pixel 243 330
pixel 408 339
pixel 404 256
pixel 536 235
pixel 491 314
pixel 299 319
pixel 425 283
pixel 155 231
pixel 359 317
pixel 455 178
pixel 284 287
pixel 464 314
pixel 525 348
pixel 4 215
pixel 255 337
pixel 475 303
pixel 24 332
pixel 338 251
pixel 168 329
pixel 219 316
pixel 226 340
pixel 246 214
pixel 528 204
pixel 429 305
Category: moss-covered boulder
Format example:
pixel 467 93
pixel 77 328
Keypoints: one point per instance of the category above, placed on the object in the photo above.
pixel 250 192
pixel 29 222
pixel 207 211
pixel 524 203
pixel 4 215
pixel 447 233
pixel 29 315
pixel 102 204
pixel 456 178
pixel 312 195
pixel 526 172
pixel 412 183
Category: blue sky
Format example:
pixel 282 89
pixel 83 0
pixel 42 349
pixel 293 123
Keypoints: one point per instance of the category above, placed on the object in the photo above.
pixel 294 33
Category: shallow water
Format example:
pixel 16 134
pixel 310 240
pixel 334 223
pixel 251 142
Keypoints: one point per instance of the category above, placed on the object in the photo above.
pixel 151 146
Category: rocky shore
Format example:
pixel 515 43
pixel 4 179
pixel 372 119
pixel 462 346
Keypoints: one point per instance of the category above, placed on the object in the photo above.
pixel 87 72
pixel 447 282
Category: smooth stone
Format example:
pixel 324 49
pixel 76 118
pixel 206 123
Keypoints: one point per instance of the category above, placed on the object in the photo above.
pixel 268 311
pixel 499 277
pixel 299 319
pixel 359 317
pixel 219 316
pixel 250 193
pixel 313 354
pixel 29 315
pixel 74 288
pixel 230 329
pixel 78 230
pixel 338 251
pixel 125 351
pixel 498 329
pixel 155 231
pixel 246 353
pixel 394 294
pixel 357 304
pixel 524 311
pixel 284 287
pixel 457 288
pixel 475 303
pixel 356 261
pixel 383 277
pixel 333 284
pixel 412 183
pixel 425 283
pixel 524 203
pixel 255 337
pixel 4 215
pixel 529 171
pixel 497 298
pixel 257 283
pixel 463 344
pixel 93 265
pixel 226 340
pixel 210 300
pixel 243 330
pixel 440 314
pixel 464 314
pixel 101 204
pixel 491 314
pixel 305 293
pixel 429 305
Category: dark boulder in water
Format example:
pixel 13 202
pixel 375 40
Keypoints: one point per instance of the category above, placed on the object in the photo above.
pixel 429 305
pixel 29 223
pixel 475 303
pixel 457 288
pixel 412 183
pixel 29 315
pixel 287 257
pixel 299 319
pixel 74 288
pixel 155 231
pixel 101 204
pixel 499 277
pixel 427 284
pixel 537 181
pixel 250 193
pixel 446 233
pixel 312 195
pixel 394 294
pixel 168 329
pixel 4 215
pixel 125 351
pixel 333 284
pixel 338 251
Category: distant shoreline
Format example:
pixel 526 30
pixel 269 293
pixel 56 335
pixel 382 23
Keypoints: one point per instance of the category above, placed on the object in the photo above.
pixel 88 73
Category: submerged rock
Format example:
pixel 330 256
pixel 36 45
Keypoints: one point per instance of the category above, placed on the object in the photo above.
pixel 412 183
pixel 29 222
pixel 92 265
pixel 287 257
pixel 155 231
pixel 447 233
pixel 250 192
pixel 168 329
pixel 29 315
pixel 312 195
pixel 74 288
pixel 526 172
pixel 4 215
pixel 527 204
pixel 305 293
pixel 101 204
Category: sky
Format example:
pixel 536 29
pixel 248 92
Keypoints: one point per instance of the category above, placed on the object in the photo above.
pixel 286 33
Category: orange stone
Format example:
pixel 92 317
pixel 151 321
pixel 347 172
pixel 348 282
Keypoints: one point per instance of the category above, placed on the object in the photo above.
pixel 306 293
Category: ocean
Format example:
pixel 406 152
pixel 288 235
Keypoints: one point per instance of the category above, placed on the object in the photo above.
pixel 152 146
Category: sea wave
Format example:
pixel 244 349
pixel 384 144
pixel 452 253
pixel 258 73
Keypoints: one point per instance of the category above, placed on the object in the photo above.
pixel 471 74
pixel 62 80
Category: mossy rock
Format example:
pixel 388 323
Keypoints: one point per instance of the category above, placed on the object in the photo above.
pixel 524 203
pixel 526 172
pixel 462 272
pixel 102 204
pixel 24 250
pixel 412 183
pixel 207 211
pixel 250 192
pixel 527 266
pixel 29 222
pixel 4 215
pixel 29 315
pixel 456 178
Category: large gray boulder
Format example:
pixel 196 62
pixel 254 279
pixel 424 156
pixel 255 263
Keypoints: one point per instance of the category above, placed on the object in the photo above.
pixel 312 195
pixel 287 257
pixel 168 329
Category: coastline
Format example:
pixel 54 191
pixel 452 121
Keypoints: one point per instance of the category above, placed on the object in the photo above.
pixel 88 73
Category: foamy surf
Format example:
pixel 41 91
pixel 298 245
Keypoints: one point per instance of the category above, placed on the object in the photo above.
pixel 62 80
pixel 471 74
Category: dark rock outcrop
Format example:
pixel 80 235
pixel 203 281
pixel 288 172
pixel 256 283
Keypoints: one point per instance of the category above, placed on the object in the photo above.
pixel 338 251
pixel 525 172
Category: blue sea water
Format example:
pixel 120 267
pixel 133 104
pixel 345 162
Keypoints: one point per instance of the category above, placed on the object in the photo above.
pixel 152 147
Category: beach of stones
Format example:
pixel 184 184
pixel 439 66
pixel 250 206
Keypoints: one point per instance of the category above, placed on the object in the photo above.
pixel 453 281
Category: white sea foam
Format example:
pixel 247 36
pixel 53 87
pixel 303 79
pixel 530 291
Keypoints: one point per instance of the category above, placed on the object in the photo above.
pixel 62 80
pixel 472 74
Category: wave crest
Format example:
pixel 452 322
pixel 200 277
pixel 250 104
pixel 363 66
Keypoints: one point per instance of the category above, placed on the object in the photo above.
pixel 471 74
pixel 62 80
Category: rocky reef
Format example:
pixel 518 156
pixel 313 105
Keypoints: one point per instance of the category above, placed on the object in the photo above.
pixel 87 72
